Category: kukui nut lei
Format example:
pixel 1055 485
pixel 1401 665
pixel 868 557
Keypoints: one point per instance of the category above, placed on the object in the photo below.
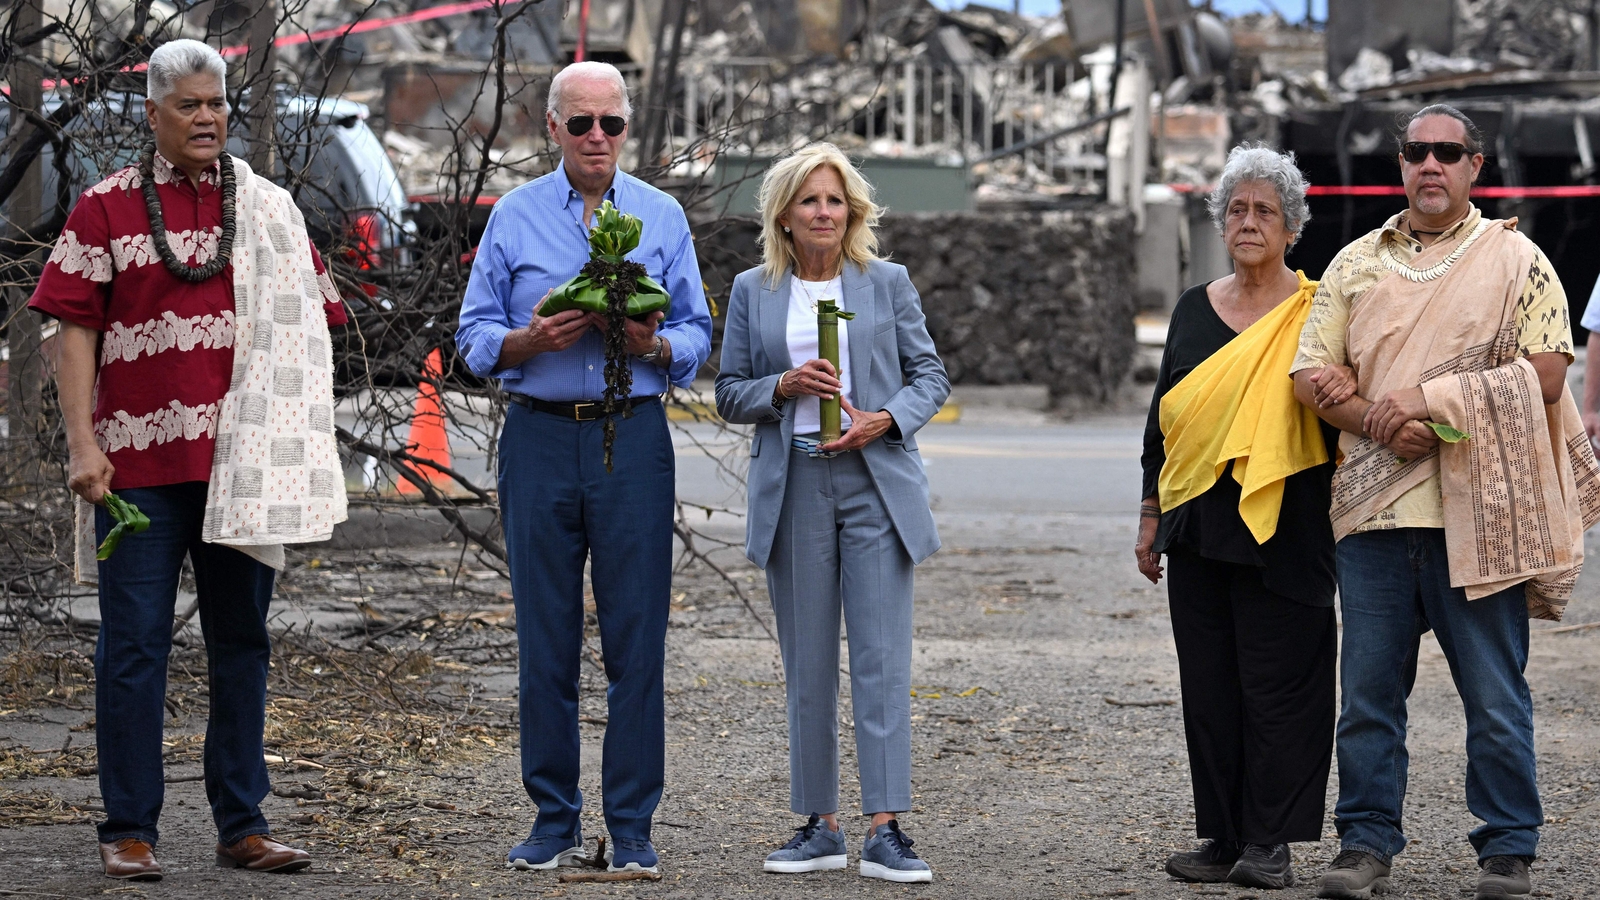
pixel 158 222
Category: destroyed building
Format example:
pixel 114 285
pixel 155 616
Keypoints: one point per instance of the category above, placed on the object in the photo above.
pixel 1524 71
pixel 1126 104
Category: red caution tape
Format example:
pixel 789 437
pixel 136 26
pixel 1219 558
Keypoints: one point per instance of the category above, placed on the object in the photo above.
pixel 1355 190
pixel 359 26
pixel 1395 190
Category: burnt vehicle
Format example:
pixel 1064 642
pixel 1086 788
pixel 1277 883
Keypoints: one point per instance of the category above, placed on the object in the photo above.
pixel 331 162
pixel 328 158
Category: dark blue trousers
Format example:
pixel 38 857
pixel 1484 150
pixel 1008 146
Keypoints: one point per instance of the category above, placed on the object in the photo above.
pixel 138 587
pixel 559 507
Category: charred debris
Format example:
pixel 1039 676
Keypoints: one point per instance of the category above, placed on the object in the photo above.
pixel 1132 102
pixel 1020 111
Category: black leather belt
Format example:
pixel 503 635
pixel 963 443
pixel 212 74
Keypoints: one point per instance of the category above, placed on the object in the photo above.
pixel 584 411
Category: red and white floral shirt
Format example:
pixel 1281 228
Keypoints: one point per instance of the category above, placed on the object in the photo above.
pixel 166 345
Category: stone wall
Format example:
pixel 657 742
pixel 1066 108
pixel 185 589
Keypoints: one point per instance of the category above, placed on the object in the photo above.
pixel 1042 298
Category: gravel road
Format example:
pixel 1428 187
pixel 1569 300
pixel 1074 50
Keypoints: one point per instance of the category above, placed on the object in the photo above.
pixel 1048 746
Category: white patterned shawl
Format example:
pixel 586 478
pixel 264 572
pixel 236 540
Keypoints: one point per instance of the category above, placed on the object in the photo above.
pixel 275 477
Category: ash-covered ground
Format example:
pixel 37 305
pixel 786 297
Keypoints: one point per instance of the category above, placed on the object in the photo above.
pixel 1048 742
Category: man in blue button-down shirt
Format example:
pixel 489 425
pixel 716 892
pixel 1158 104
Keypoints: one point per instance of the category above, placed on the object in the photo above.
pixel 558 504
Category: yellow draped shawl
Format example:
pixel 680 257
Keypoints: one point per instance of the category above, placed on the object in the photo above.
pixel 1239 406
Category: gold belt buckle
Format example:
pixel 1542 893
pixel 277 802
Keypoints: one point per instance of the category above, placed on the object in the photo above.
pixel 577 410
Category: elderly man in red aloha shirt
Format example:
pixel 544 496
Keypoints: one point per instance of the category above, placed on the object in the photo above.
pixel 195 382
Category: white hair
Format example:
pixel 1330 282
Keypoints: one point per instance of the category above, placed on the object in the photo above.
pixel 1258 162
pixel 586 70
pixel 176 60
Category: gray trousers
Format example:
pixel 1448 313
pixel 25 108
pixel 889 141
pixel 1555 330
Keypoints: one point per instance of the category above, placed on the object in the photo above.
pixel 836 548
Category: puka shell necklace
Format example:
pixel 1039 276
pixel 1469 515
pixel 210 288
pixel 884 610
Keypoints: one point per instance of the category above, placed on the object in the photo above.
pixel 1439 268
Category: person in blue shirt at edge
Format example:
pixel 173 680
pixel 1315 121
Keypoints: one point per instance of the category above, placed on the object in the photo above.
pixel 1589 406
pixel 558 504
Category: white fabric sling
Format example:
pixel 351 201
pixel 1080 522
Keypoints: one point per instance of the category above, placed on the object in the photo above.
pixel 275 477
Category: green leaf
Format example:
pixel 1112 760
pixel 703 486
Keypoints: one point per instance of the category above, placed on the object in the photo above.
pixel 830 308
pixel 1447 434
pixel 129 521
pixel 582 293
pixel 615 232
pixel 615 235
pixel 109 545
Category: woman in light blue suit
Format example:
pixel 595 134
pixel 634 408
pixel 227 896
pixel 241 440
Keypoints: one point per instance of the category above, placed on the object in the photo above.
pixel 837 526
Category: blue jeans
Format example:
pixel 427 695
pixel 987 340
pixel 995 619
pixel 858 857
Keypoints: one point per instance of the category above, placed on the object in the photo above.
pixel 138 588
pixel 559 506
pixel 1393 587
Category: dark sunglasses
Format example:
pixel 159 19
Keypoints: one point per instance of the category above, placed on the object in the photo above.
pixel 1446 152
pixel 578 126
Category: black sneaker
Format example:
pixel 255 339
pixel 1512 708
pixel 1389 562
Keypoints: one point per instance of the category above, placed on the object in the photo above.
pixel 1354 875
pixel 1210 863
pixel 1263 866
pixel 1504 878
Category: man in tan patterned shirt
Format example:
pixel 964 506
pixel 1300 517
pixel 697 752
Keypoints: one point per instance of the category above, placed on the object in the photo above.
pixel 1390 321
pixel 1542 327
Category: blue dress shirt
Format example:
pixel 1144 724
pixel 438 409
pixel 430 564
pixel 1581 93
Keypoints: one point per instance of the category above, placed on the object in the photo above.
pixel 536 240
pixel 1591 311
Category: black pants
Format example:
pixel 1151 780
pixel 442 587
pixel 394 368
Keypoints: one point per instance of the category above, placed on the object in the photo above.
pixel 1257 672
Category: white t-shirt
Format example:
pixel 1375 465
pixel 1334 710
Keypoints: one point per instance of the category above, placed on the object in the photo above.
pixel 1591 312
pixel 802 332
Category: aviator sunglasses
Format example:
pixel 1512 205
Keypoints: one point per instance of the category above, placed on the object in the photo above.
pixel 1446 152
pixel 578 126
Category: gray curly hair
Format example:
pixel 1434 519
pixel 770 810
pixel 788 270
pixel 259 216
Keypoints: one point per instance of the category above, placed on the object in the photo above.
pixel 176 60
pixel 1258 162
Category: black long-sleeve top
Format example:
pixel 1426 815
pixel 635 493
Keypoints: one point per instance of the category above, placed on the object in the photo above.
pixel 1298 559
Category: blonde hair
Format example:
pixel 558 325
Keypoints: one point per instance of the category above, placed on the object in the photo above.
pixel 783 182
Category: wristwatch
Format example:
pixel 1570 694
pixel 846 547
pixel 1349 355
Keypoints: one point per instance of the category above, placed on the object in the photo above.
pixel 655 352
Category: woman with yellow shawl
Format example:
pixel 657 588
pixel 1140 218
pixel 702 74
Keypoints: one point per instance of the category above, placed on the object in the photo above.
pixel 1236 494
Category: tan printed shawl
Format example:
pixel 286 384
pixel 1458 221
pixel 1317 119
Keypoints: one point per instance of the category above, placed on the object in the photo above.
pixel 275 476
pixel 1520 490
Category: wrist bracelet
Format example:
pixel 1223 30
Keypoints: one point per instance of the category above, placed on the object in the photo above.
pixel 778 399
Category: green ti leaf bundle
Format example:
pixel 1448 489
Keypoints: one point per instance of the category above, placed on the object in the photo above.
pixel 129 521
pixel 615 235
pixel 613 286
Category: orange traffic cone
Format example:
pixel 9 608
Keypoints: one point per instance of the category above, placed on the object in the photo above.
pixel 427 439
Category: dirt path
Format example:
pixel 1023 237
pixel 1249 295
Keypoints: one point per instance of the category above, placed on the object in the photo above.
pixel 1048 748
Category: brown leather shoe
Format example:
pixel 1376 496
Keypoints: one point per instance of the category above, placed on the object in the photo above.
pixel 260 853
pixel 131 859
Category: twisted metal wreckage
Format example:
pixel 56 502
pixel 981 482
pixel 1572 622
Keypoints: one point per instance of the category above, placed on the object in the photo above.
pixel 1017 111
pixel 906 83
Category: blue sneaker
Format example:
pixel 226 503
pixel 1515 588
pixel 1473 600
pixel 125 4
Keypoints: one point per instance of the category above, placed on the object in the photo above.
pixel 813 848
pixel 631 855
pixel 887 854
pixel 546 851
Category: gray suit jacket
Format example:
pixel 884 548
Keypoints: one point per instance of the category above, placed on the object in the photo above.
pixel 893 367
